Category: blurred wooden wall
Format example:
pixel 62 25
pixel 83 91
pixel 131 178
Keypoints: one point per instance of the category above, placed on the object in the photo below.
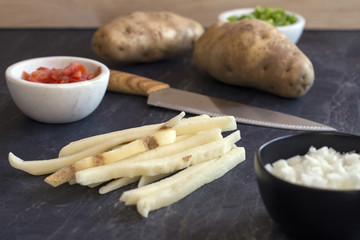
pixel 320 14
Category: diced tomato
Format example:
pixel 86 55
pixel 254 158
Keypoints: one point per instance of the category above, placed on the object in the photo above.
pixel 42 68
pixel 74 72
pixel 77 76
pixel 81 68
pixel 26 76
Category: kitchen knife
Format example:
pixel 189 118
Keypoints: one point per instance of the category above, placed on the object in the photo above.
pixel 162 95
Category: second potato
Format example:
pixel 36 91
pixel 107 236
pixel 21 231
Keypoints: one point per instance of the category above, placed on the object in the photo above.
pixel 252 53
pixel 141 37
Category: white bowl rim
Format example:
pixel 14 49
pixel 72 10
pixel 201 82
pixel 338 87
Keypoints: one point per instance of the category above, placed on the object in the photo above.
pixel 223 16
pixel 103 73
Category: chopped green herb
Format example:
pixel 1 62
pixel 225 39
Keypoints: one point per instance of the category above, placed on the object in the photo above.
pixel 273 16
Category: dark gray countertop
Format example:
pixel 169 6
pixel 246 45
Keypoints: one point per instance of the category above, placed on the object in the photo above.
pixel 228 208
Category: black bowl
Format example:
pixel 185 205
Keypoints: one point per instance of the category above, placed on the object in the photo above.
pixel 304 211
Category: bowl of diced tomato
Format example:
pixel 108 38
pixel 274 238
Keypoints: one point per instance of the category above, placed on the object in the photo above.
pixel 57 89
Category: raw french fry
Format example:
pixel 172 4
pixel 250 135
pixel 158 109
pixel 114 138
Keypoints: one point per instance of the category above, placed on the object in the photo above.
pixel 94 185
pixel 189 182
pixel 193 141
pixel 226 123
pixel 131 197
pixel 179 146
pixel 40 167
pixel 117 183
pixel 145 180
pixel 169 160
pixel 160 138
pixel 202 116
pixel 183 137
pixel 88 142
pixel 85 143
pixel 173 121
pixel 61 176
pixel 151 167
pixel 72 181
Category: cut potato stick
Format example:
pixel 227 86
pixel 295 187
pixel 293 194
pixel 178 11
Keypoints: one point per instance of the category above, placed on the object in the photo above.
pixel 117 154
pixel 145 180
pixel 151 167
pixel 194 141
pixel 90 141
pixel 40 167
pixel 168 160
pixel 61 176
pixel 85 143
pixel 173 121
pixel 131 197
pixel 226 123
pixel 202 116
pixel 160 138
pixel 72 181
pixel 118 183
pixel 188 182
pixel 183 137
pixel 94 185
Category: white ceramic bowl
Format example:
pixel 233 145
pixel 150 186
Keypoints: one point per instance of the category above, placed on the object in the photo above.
pixel 293 31
pixel 56 103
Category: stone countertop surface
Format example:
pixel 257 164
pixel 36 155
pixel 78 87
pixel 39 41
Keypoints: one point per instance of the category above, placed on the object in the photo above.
pixel 228 208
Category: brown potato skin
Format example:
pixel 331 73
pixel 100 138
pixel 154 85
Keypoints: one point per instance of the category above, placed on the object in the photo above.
pixel 141 37
pixel 252 53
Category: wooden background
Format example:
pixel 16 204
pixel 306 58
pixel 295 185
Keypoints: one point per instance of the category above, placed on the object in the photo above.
pixel 319 14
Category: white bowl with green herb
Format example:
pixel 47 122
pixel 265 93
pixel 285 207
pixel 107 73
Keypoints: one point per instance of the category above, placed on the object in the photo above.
pixel 291 24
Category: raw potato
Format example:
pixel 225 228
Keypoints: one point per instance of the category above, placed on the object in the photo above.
pixel 117 183
pixel 143 144
pixel 40 167
pixel 176 187
pixel 178 157
pixel 88 147
pixel 146 37
pixel 145 180
pixel 157 166
pixel 143 131
pixel 253 53
pixel 186 126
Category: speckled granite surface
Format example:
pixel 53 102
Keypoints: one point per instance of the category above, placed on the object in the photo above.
pixel 228 208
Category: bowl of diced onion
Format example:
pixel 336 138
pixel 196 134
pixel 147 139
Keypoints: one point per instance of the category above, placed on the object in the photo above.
pixel 290 23
pixel 310 184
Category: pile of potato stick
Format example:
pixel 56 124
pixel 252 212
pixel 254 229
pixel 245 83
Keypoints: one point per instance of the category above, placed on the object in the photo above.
pixel 169 160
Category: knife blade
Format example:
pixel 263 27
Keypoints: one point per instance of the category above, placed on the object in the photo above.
pixel 162 95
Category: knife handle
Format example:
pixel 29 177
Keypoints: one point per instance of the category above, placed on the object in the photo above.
pixel 133 84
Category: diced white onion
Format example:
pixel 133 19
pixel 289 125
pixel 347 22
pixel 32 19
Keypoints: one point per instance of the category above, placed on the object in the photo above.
pixel 322 168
